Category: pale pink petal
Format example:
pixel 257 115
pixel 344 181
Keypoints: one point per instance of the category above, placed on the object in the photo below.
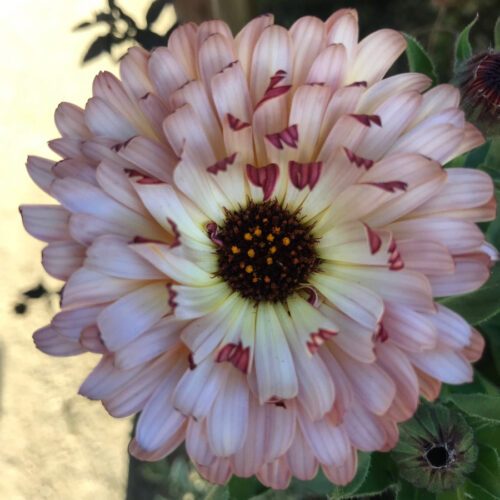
pixel 103 120
pixel 133 314
pixel 428 257
pixel 88 287
pixel 453 330
pixel 134 72
pixel 300 458
pixel 469 275
pixel 198 388
pixel 136 450
pixel 164 335
pixel 474 350
pixel 39 169
pixel 71 322
pixel 105 379
pixel 197 443
pixel 345 31
pixel 329 443
pixel 246 39
pixel 368 65
pixel 364 429
pixel 370 383
pixel 46 222
pixel 328 67
pixel 49 341
pixel 214 54
pixel 91 340
pixel 182 44
pixel 275 475
pixel 343 474
pixel 60 259
pixel 75 168
pixel 274 365
pixel 227 421
pixel 70 121
pixel 443 364
pixel 309 38
pixel 158 420
pixel 218 472
pixel 408 329
pixel 429 386
pixel 396 365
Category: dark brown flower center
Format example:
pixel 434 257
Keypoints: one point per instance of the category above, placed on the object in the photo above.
pixel 267 252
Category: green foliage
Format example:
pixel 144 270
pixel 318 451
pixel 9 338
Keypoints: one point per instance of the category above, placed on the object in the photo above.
pixel 463 49
pixel 418 59
pixel 481 305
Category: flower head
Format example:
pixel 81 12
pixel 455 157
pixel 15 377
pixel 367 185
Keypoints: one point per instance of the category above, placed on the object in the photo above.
pixel 252 232
pixel 436 449
pixel 480 85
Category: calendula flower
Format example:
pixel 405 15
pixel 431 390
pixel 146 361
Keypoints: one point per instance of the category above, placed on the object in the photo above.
pixel 480 85
pixel 436 450
pixel 252 231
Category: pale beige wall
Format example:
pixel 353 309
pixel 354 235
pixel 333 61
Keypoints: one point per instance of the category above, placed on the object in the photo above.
pixel 53 443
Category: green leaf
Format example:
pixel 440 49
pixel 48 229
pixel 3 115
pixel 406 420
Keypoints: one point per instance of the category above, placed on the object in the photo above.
pixel 463 50
pixel 418 59
pixel 497 34
pixel 487 434
pixel 478 155
pixel 340 492
pixel 481 305
pixel 480 405
pixel 245 488
pixel 319 485
pixel 487 472
pixel 218 493
pixel 382 475
pixel 409 492
pixel 476 492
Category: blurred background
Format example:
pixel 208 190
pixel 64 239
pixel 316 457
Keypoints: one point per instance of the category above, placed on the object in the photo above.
pixel 55 444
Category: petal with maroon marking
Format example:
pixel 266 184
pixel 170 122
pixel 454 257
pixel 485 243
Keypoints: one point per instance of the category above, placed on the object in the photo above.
pixel 264 177
pixel 272 53
pixel 428 257
pixel 230 93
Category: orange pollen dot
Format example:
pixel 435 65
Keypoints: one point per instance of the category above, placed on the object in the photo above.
pixel 270 237
pixel 267 279
pixel 254 280
pixel 247 236
pixel 257 231
pixel 235 249
pixel 272 249
pixel 269 260
pixel 249 269
pixel 286 241
pixel 276 230
pixel 251 253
